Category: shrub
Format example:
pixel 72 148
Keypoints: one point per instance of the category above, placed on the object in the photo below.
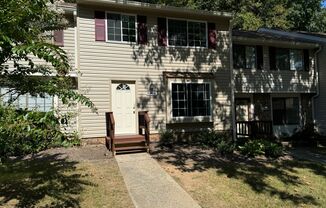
pixel 268 148
pixel 252 148
pixel 225 147
pixel 306 136
pixel 25 132
pixel 221 141
pixel 167 138
pixel 273 150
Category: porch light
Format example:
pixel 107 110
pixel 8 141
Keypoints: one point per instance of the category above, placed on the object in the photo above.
pixel 265 108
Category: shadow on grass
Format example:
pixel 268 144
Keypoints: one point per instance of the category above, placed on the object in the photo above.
pixel 252 172
pixel 51 180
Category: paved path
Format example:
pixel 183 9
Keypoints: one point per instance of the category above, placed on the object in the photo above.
pixel 149 185
pixel 308 155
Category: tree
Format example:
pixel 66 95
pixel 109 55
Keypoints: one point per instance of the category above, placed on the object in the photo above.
pixel 25 31
pixel 305 15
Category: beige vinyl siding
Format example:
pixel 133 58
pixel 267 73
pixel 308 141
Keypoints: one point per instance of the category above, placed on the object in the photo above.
pixel 320 102
pixel 69 112
pixel 101 63
pixel 268 81
pixel 69 44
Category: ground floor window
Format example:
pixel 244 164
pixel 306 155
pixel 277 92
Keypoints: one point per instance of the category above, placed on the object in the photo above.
pixel 191 99
pixel 286 111
pixel 39 103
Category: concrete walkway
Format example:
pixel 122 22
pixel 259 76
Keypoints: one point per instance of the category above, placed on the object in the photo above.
pixel 306 154
pixel 149 185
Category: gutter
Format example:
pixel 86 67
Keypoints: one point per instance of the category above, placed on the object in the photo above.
pixel 153 7
pixel 318 84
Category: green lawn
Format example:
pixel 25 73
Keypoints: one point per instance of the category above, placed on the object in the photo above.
pixel 54 182
pixel 238 182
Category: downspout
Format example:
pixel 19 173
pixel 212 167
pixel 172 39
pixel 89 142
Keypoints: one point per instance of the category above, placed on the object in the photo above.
pixel 318 84
pixel 75 39
pixel 77 66
pixel 234 133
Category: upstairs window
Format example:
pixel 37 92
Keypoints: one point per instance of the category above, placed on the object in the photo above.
pixel 247 57
pixel 191 99
pixel 286 111
pixel 187 33
pixel 121 28
pixel 289 59
pixel 282 59
pixel 296 60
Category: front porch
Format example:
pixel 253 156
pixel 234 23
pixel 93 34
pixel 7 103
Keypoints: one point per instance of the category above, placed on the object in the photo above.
pixel 272 114
pixel 131 142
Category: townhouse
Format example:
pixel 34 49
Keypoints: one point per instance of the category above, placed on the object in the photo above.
pixel 189 70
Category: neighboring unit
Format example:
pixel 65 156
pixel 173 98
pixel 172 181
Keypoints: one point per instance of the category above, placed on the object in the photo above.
pixel 275 79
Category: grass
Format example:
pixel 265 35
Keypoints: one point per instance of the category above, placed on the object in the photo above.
pixel 218 182
pixel 51 181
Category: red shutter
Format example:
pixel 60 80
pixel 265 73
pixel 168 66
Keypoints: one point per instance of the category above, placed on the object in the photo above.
pixel 99 25
pixel 161 31
pixel 58 38
pixel 212 35
pixel 142 29
pixel 306 60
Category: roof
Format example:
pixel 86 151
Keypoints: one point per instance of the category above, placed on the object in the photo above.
pixel 319 38
pixel 268 36
pixel 155 7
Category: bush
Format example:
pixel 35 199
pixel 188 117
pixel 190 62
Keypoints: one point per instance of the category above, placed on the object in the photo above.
pixel 225 147
pixel 306 136
pixel 23 132
pixel 273 150
pixel 221 141
pixel 167 138
pixel 254 148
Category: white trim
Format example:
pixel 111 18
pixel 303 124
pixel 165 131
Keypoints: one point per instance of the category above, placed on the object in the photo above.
pixel 190 119
pixel 187 21
pixel 121 32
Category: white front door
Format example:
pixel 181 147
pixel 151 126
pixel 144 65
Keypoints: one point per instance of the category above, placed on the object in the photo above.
pixel 123 107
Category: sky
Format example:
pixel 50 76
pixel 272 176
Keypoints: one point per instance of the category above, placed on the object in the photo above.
pixel 324 3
